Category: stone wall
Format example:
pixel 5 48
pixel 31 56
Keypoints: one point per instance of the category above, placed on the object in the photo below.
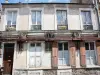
pixel 95 71
pixel 50 72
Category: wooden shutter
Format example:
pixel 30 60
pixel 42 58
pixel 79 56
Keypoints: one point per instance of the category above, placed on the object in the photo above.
pixel 82 54
pixel 98 52
pixel 54 55
pixel 72 51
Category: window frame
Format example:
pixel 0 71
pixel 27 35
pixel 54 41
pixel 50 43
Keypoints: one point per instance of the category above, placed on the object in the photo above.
pixel 67 64
pixel 30 20
pixel 80 16
pixel 55 15
pixel 90 50
pixel 5 17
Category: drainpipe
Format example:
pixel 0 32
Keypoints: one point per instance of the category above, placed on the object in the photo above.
pixel 96 6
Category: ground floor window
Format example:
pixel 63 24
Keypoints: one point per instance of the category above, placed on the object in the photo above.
pixel 90 53
pixel 63 53
pixel 35 50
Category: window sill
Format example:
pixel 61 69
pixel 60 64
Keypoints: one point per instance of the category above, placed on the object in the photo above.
pixel 92 66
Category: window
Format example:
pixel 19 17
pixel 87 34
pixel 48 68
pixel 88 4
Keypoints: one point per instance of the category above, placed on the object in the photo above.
pixel 35 55
pixel 48 46
pixel 86 20
pixel 36 20
pixel 90 53
pixel 11 20
pixel 62 19
pixel 63 54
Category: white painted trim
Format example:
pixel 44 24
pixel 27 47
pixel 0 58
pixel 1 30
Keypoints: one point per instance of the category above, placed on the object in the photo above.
pixel 55 15
pixel 42 45
pixel 5 17
pixel 42 15
pixel 86 9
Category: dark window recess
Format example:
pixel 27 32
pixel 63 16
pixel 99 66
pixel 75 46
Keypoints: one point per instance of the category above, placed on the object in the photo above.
pixel 35 27
pixel 48 46
pixel 38 44
pixel 88 27
pixel 65 46
pixel 60 46
pixel 91 45
pixel 32 44
pixel 87 46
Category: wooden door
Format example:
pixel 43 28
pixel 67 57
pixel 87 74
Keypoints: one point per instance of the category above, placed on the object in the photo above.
pixel 8 58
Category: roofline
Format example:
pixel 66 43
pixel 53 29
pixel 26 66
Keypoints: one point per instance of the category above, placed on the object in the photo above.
pixel 46 3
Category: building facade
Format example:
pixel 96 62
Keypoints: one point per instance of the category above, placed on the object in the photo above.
pixel 50 38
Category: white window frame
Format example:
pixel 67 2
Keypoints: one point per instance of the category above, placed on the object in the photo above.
pixel 80 16
pixel 65 9
pixel 94 50
pixel 30 20
pixel 42 45
pixel 5 17
pixel 63 52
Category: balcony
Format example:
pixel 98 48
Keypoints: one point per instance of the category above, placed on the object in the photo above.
pixel 62 27
pixel 35 27
pixel 88 27
pixel 10 27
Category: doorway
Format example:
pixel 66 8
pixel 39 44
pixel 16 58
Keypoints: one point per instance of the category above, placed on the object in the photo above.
pixel 8 58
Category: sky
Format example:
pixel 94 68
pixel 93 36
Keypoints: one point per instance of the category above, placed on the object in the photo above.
pixel 24 1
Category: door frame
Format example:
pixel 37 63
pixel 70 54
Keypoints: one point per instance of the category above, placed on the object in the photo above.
pixel 15 45
pixel 43 49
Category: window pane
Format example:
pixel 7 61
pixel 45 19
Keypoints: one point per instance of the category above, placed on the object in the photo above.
pixel 66 46
pixel 87 46
pixel 9 18
pixel 64 15
pixel 83 14
pixel 38 17
pixel 38 44
pixel 60 46
pixel 91 45
pixel 33 17
pixel 88 17
pixel 32 44
pixel 14 17
pixel 48 46
pixel 59 17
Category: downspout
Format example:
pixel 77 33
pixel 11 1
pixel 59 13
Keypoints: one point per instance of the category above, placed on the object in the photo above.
pixel 96 6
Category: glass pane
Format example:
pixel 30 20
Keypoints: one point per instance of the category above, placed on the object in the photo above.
pixel 87 46
pixel 66 46
pixel 88 17
pixel 9 18
pixel 14 18
pixel 59 17
pixel 33 17
pixel 32 44
pixel 91 45
pixel 38 44
pixel 83 14
pixel 48 46
pixel 64 15
pixel 38 17
pixel 60 46
pixel 88 61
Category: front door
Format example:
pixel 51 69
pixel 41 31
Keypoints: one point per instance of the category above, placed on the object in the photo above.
pixel 35 55
pixel 8 58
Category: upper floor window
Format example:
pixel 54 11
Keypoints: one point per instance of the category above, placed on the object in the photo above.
pixel 11 20
pixel 86 20
pixel 62 19
pixel 90 53
pixel 36 20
